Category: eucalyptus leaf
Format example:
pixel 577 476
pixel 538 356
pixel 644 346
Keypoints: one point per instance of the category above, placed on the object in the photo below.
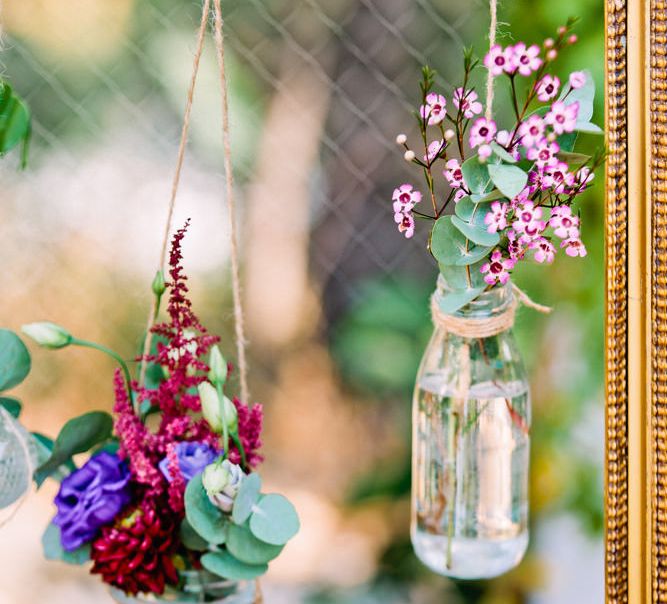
pixel 589 128
pixel 510 180
pixel 190 538
pixel 460 278
pixel 493 195
pixel 502 153
pixel 567 140
pixel 449 246
pixel 476 233
pixel 53 549
pixel 274 520
pixel 224 565
pixel 14 360
pixel 246 498
pixel 584 95
pixel 243 545
pixel 475 175
pixel 206 519
pixel 44 446
pixel 78 435
pixel 453 301
pixel 573 159
pixel 471 212
pixel 11 405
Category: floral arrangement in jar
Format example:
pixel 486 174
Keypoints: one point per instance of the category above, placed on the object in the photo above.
pixel 168 503
pixel 495 195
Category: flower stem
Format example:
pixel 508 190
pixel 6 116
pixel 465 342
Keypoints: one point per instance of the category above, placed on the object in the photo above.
pixel 239 446
pixel 451 454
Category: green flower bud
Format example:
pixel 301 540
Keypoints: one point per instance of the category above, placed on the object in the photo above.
pixel 218 373
pixel 215 478
pixel 158 286
pixel 222 482
pixel 48 335
pixel 216 411
pixel 230 414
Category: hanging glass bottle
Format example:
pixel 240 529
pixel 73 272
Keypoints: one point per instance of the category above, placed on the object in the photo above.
pixel 470 456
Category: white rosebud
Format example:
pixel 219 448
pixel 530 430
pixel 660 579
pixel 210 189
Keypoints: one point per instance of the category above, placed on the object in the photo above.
pixel 222 482
pixel 409 155
pixel 218 372
pixel 216 411
pixel 401 139
pixel 449 134
pixel 230 414
pixel 48 335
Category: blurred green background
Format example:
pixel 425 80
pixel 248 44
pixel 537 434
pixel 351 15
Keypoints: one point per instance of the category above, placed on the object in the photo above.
pixel 336 298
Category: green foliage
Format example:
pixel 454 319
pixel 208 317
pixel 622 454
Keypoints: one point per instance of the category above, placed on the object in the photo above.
pixel 14 360
pixel 246 498
pixel 15 127
pixel 53 549
pixel 449 245
pixel 206 519
pixel 224 565
pixel 247 548
pixel 510 180
pixel 502 153
pixel 452 301
pixel 476 175
pixel 11 405
pixel 191 539
pixel 476 233
pixel 274 520
pixel 78 435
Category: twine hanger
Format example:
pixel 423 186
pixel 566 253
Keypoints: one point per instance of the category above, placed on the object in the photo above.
pixel 239 321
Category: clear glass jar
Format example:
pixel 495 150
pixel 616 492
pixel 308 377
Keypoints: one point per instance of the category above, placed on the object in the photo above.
pixel 470 455
pixel 197 586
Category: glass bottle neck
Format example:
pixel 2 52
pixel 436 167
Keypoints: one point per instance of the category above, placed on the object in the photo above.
pixel 489 303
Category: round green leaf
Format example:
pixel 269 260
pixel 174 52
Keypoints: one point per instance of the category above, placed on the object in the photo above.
pixel 476 233
pixel 274 520
pixel 502 153
pixel 191 539
pixel 246 497
pixel 475 175
pixel 510 180
pixel 243 545
pixel 460 278
pixel 450 247
pixel 53 549
pixel 452 301
pixel 14 360
pixel 224 565
pixel 206 519
pixel 11 405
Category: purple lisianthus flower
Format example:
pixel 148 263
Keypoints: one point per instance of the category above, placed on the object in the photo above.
pixel 90 498
pixel 193 457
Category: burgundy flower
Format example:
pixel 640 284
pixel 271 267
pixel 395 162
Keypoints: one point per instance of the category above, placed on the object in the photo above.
pixel 135 554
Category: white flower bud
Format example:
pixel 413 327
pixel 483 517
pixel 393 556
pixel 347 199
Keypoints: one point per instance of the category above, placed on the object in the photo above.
pixel 230 414
pixel 222 482
pixel 48 335
pixel 449 134
pixel 217 411
pixel 409 155
pixel 401 139
pixel 218 372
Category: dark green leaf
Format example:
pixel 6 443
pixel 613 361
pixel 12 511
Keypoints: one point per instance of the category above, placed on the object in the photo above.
pixel 274 520
pixel 14 360
pixel 191 539
pixel 11 405
pixel 78 435
pixel 573 159
pixel 476 233
pixel 242 544
pixel 476 175
pixel 567 141
pixel 53 549
pixel 510 180
pixel 224 565
pixel 206 519
pixel 246 497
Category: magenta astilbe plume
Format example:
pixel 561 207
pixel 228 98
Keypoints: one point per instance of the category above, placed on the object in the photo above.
pixel 250 429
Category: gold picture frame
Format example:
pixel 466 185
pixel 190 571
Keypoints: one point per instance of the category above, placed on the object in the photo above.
pixel 636 301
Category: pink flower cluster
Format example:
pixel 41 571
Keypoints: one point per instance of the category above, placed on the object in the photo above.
pixel 519 58
pixel 405 198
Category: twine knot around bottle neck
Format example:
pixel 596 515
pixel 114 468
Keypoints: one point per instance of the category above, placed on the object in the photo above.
pixel 497 320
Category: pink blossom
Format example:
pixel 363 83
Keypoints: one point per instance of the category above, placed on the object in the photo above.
pixel 496 219
pixel 484 151
pixel 498 60
pixel 547 88
pixel 405 198
pixel 565 225
pixel 434 111
pixel 526 60
pixel 555 175
pixel 544 250
pixel 482 131
pixel 528 222
pixel 562 117
pixel 406 224
pixel 433 151
pixel 453 173
pixel 497 269
pixel 503 137
pixel 514 246
pixel 544 152
pixel 459 195
pixel 574 247
pixel 583 177
pixel 467 102
pixel 532 131
pixel 577 79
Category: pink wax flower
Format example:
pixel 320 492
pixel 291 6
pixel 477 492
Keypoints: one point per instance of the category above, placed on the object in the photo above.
pixel 532 131
pixel 406 224
pixel 405 198
pixel 574 247
pixel 433 151
pixel 556 176
pixel 515 248
pixel 547 88
pixel 526 59
pixel 434 111
pixel 453 173
pixel 496 219
pixel 544 250
pixel 498 60
pixel 562 117
pixel 564 223
pixel 583 177
pixel 543 152
pixel 459 195
pixel 528 222
pixel 482 131
pixel 497 270
pixel 484 151
pixel 467 102
pixel 577 79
